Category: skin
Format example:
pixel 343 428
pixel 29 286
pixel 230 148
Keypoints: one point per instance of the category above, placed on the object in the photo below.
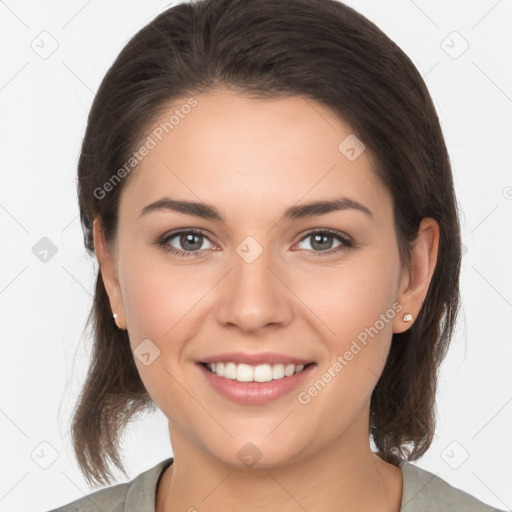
pixel 252 159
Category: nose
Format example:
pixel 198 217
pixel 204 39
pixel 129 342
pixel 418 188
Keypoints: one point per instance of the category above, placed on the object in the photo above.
pixel 254 295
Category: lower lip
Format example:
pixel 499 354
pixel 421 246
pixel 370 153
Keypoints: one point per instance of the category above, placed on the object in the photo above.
pixel 255 393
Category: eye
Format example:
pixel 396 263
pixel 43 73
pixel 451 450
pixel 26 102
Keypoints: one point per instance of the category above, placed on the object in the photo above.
pixel 189 242
pixel 322 242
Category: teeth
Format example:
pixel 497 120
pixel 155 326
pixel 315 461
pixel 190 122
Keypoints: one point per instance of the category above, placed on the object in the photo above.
pixel 260 373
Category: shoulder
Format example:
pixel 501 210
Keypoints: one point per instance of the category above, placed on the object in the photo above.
pixel 424 491
pixel 137 494
pixel 110 499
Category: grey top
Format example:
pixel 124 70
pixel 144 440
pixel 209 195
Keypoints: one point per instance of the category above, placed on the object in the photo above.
pixel 422 491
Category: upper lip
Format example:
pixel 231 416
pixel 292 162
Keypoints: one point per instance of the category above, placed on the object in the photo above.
pixel 255 359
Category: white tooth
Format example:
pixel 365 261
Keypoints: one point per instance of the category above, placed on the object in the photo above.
pixel 278 371
pixel 263 373
pixel 244 373
pixel 230 371
pixel 289 370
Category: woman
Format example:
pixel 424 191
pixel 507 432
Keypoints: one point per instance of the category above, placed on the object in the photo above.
pixel 268 193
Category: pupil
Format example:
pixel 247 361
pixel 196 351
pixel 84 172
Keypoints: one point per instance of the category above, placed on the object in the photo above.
pixel 321 237
pixel 185 239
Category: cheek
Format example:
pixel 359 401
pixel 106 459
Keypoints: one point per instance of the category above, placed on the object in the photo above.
pixel 354 306
pixel 359 313
pixel 163 304
pixel 159 299
pixel 158 305
pixel 352 297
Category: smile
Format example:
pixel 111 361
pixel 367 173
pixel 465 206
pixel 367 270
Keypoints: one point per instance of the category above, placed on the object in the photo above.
pixel 239 382
pixel 254 373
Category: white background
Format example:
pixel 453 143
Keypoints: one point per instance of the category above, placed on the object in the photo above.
pixel 44 104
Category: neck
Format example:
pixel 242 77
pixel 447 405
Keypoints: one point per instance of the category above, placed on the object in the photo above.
pixel 345 475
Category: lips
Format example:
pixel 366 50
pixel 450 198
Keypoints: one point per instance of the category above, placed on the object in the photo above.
pixel 254 393
pixel 270 358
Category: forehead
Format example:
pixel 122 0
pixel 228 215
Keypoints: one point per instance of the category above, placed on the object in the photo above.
pixel 250 152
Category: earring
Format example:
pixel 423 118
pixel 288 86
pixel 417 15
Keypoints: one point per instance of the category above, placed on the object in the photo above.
pixel 115 320
pixel 407 317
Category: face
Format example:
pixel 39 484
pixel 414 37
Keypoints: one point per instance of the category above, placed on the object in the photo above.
pixel 321 286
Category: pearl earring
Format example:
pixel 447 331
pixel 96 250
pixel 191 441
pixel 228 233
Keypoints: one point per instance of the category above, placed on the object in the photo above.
pixel 115 320
pixel 407 317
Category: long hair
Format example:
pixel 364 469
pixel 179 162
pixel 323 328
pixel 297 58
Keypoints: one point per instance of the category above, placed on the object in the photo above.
pixel 323 51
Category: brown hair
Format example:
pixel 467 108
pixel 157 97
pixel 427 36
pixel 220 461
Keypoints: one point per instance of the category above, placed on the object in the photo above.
pixel 324 51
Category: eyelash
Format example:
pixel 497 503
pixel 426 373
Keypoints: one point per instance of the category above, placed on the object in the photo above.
pixel 346 243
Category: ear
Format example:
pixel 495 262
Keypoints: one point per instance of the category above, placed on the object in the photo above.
pixel 107 264
pixel 416 279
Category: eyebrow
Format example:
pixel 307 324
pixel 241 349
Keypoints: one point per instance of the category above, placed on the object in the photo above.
pixel 301 211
